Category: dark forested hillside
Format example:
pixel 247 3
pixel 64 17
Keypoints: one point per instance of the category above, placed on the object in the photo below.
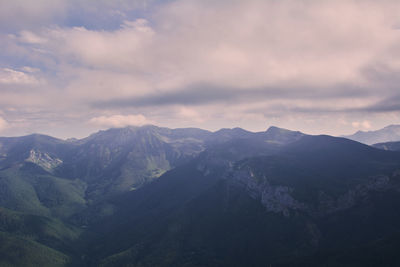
pixel 393 146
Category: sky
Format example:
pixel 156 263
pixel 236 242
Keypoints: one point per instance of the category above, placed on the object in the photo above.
pixel 71 67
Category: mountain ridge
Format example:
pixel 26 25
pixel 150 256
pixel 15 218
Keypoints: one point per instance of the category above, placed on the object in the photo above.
pixel 146 126
pixel 389 133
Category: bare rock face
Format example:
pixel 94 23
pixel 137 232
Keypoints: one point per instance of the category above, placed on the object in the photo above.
pixel 329 205
pixel 275 198
pixel 280 199
pixel 43 160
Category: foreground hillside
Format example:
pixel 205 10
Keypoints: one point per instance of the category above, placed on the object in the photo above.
pixel 153 196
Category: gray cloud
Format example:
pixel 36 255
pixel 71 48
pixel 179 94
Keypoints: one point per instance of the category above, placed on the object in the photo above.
pixel 204 94
pixel 387 105
pixel 390 104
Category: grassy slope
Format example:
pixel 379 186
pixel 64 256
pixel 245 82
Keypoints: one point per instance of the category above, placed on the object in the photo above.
pixel 40 193
pixel 32 226
pixel 20 251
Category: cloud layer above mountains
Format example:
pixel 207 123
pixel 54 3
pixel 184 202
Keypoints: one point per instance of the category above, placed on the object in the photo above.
pixel 70 67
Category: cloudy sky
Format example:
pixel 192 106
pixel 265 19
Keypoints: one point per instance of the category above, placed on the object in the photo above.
pixel 71 67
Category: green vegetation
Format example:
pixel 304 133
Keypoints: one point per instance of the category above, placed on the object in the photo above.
pixel 40 194
pixel 18 251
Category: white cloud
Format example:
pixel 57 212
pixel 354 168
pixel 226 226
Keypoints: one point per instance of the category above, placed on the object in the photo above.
pixel 10 76
pixel 30 38
pixel 239 43
pixel 116 50
pixel 30 69
pixel 191 115
pixel 362 124
pixel 3 124
pixel 120 120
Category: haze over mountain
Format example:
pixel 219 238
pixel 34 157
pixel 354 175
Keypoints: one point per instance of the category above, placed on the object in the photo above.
pixel 145 196
pixel 388 134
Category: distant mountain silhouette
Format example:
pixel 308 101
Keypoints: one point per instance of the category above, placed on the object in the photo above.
pixel 388 134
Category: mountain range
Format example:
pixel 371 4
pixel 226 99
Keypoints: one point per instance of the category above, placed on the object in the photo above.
pixel 390 133
pixel 153 196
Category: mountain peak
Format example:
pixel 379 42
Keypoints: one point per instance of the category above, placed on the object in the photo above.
pixel 277 130
pixel 235 130
pixel 283 136
pixel 231 133
pixel 389 133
